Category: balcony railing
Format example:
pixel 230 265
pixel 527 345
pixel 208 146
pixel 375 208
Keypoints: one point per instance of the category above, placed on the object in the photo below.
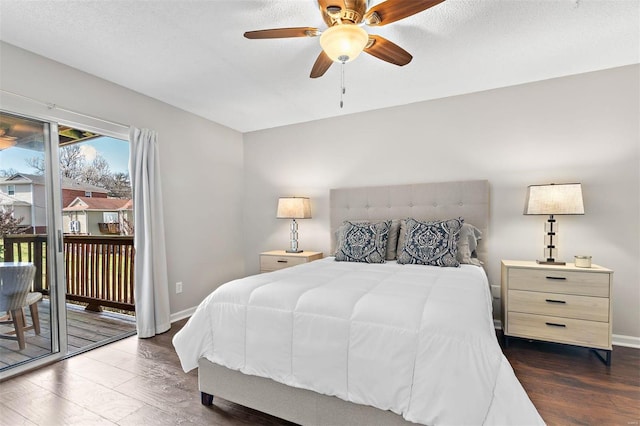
pixel 98 269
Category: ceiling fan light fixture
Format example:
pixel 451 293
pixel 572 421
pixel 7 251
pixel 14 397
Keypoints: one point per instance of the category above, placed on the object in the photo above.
pixel 7 142
pixel 344 42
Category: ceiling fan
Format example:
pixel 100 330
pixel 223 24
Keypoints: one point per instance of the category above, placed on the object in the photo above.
pixel 345 39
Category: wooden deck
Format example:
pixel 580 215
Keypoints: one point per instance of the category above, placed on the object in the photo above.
pixel 84 328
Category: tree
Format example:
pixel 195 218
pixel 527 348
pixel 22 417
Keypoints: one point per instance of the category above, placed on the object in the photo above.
pixel 9 225
pixel 120 185
pixel 8 172
pixel 72 162
pixel 97 173
pixel 73 165
pixel 36 163
pixel 127 227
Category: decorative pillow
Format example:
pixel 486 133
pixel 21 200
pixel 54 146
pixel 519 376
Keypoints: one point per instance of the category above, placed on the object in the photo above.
pixel 431 243
pixel 392 240
pixel 363 242
pixel 467 244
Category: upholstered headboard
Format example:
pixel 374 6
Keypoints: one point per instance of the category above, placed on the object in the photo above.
pixel 466 199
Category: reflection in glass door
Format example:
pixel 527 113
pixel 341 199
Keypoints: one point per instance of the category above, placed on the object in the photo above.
pixel 32 323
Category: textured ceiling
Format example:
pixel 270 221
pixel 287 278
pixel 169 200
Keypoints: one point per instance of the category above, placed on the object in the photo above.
pixel 191 54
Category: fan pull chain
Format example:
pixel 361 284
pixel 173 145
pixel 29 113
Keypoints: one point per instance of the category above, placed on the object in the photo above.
pixel 343 89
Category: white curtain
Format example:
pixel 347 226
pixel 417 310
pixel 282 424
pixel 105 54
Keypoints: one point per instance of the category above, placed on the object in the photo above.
pixel 151 287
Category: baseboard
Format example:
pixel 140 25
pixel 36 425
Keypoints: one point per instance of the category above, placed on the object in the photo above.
pixel 628 341
pixel 177 316
pixel 497 324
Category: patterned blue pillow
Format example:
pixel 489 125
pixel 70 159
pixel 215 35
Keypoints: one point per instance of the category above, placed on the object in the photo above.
pixel 431 243
pixel 363 242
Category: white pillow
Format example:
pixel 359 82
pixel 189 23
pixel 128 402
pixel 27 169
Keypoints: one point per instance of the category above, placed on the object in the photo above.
pixel 467 244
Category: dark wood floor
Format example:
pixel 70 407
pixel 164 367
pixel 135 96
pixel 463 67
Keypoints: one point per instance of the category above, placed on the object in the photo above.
pixel 84 328
pixel 571 386
pixel 139 381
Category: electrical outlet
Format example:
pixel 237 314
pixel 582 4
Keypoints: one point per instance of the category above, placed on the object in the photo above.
pixel 179 287
pixel 495 292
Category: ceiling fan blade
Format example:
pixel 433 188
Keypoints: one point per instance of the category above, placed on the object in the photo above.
pixel 388 51
pixel 394 10
pixel 283 33
pixel 321 65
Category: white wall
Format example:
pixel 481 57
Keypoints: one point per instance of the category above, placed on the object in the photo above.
pixel 201 167
pixel 583 128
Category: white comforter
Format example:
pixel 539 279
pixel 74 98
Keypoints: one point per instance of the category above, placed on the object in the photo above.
pixel 413 339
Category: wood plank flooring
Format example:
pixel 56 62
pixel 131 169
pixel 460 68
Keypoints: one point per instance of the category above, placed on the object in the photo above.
pixel 571 386
pixel 129 382
pixel 84 328
pixel 139 381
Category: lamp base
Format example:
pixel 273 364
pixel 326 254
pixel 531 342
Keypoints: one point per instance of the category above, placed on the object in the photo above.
pixel 550 262
pixel 294 251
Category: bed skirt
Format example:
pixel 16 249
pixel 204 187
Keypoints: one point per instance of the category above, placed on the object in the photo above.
pixel 295 405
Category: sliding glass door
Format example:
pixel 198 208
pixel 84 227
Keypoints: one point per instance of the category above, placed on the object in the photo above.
pixel 32 314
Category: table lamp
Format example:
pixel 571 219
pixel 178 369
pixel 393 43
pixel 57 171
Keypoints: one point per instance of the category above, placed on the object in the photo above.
pixel 294 208
pixel 553 199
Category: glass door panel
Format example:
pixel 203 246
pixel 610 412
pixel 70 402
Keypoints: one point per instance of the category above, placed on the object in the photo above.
pixel 32 323
pixel 98 232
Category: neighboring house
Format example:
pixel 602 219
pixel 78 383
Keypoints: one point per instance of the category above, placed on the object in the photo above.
pixel 96 216
pixel 25 193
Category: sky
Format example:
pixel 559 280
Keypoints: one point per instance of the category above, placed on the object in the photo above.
pixel 115 151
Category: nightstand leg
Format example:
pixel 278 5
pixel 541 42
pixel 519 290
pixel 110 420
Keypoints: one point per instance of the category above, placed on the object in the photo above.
pixel 206 399
pixel 606 359
pixel 506 341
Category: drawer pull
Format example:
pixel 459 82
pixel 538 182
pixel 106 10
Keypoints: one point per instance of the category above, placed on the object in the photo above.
pixel 555 301
pixel 282 261
pixel 553 324
pixel 557 278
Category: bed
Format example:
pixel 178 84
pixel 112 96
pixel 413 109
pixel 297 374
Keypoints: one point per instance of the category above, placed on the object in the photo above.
pixel 342 342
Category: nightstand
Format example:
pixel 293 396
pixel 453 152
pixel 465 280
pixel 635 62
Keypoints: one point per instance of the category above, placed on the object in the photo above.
pixel 280 259
pixel 561 304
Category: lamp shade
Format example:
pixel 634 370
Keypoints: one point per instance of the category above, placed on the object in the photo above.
pixel 294 208
pixel 344 42
pixel 554 199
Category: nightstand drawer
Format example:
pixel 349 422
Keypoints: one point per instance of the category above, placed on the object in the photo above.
pixel 555 281
pixel 560 305
pixel 275 260
pixel 563 330
pixel 273 263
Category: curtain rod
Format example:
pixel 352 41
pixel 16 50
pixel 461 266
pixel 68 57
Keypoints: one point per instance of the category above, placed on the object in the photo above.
pixel 50 105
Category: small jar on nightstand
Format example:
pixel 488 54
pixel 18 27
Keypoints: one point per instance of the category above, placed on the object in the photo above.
pixel 280 259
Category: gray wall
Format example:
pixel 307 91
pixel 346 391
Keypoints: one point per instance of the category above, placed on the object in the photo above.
pixel 582 128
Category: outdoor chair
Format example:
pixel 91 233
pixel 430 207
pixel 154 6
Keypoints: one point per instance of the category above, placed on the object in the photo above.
pixel 15 282
pixel 32 301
